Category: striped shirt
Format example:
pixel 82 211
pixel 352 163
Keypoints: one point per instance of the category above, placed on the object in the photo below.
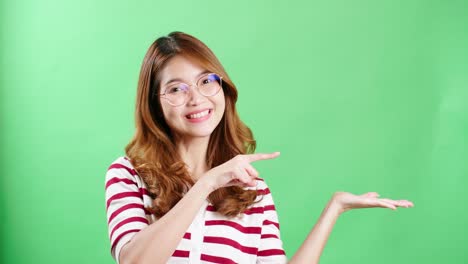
pixel 252 237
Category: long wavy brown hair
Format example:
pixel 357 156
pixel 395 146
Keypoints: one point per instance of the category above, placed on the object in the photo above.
pixel 152 150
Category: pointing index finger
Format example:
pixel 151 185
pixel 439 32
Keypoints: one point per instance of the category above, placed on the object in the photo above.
pixel 261 156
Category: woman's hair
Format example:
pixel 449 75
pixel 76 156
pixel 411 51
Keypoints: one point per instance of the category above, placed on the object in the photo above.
pixel 152 150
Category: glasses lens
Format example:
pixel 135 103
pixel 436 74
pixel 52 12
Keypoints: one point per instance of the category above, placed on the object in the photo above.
pixel 177 93
pixel 209 84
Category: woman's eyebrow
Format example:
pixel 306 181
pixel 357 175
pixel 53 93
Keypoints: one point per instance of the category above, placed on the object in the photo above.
pixel 180 79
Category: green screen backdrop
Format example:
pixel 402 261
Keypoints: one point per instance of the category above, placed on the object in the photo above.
pixel 357 95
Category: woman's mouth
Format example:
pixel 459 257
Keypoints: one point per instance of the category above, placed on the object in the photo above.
pixel 200 116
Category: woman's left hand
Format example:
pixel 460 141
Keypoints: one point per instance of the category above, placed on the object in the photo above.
pixel 347 201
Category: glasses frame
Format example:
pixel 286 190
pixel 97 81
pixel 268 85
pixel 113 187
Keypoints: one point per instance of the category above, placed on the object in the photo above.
pixel 163 95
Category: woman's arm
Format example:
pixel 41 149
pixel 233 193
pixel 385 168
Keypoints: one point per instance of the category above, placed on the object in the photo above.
pixel 156 242
pixel 311 250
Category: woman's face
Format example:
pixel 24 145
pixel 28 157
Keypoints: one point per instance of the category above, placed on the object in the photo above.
pixel 200 114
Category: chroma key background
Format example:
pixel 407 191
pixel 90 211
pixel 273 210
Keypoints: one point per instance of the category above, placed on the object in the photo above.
pixel 357 95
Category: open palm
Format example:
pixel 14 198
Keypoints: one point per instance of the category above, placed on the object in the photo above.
pixel 348 201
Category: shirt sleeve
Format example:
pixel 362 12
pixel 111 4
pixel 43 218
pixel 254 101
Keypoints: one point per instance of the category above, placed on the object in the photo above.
pixel 124 205
pixel 271 246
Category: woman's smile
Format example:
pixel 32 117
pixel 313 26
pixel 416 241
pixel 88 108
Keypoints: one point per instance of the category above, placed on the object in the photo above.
pixel 199 116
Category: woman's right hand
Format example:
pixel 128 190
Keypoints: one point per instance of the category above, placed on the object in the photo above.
pixel 236 171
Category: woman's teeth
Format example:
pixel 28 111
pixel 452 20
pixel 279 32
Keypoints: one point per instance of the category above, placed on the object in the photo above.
pixel 199 115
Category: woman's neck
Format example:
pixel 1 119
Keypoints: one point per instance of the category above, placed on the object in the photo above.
pixel 193 153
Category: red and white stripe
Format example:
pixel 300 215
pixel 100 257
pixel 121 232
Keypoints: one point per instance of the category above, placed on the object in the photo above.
pixel 253 237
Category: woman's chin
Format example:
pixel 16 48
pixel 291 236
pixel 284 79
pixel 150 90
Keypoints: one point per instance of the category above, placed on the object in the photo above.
pixel 199 133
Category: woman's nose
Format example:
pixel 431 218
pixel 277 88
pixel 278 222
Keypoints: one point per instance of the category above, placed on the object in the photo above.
pixel 195 97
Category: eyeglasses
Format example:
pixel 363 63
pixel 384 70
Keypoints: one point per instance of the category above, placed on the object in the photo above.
pixel 178 93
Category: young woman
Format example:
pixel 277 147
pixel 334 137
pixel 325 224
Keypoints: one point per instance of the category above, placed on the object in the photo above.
pixel 186 191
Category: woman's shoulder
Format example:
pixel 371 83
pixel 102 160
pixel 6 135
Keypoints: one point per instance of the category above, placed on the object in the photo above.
pixel 263 191
pixel 121 168
pixel 122 160
pixel 262 186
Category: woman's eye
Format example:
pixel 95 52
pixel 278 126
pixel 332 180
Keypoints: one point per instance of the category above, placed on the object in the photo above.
pixel 175 89
pixel 208 79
